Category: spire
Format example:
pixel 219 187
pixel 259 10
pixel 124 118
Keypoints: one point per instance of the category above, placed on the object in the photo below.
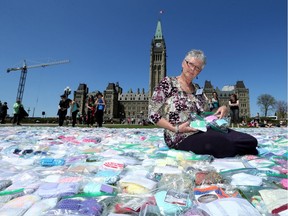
pixel 158 33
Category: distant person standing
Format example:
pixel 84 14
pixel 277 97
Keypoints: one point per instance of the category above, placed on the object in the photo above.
pixel 257 120
pixel 90 110
pixel 210 105
pixel 62 109
pixel 234 109
pixel 0 107
pixel 3 112
pixel 215 101
pixel 74 111
pixel 19 112
pixel 100 108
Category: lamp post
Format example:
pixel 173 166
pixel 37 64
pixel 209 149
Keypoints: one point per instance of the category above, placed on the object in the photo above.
pixel 142 117
pixel 67 91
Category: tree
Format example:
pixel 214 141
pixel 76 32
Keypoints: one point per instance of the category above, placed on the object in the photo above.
pixel 266 103
pixel 281 109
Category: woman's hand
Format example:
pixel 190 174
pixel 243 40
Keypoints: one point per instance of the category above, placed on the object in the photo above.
pixel 182 128
pixel 221 112
pixel 185 128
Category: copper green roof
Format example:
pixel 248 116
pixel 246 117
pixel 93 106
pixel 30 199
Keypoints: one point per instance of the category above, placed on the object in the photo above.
pixel 158 33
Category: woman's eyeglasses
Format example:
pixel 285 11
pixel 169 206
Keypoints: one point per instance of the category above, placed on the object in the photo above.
pixel 193 66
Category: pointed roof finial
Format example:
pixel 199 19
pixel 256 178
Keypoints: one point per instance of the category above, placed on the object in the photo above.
pixel 158 33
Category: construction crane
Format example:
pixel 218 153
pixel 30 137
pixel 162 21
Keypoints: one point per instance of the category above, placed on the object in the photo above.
pixel 24 69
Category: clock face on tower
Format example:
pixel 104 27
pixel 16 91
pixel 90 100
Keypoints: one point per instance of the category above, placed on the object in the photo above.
pixel 158 44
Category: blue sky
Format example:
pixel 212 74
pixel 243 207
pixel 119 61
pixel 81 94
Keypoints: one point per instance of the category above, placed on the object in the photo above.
pixel 109 41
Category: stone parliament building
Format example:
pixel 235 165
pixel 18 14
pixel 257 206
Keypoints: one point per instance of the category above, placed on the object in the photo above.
pixel 134 105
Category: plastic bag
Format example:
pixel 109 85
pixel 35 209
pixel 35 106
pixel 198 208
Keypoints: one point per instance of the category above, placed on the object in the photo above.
pixel 208 119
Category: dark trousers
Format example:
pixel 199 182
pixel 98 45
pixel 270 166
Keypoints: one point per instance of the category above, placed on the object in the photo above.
pixel 90 118
pixel 99 117
pixel 16 119
pixel 62 117
pixel 74 118
pixel 234 113
pixel 3 117
pixel 220 144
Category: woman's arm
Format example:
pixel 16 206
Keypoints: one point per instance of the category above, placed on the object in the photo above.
pixel 234 104
pixel 237 103
pixel 89 107
pixel 163 123
pixel 157 102
pixel 104 104
pixel 181 128
pixel 96 102
pixel 221 111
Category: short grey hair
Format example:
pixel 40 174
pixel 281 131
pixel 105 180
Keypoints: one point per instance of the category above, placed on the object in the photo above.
pixel 199 54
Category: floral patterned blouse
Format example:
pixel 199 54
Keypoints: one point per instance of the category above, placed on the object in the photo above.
pixel 169 101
